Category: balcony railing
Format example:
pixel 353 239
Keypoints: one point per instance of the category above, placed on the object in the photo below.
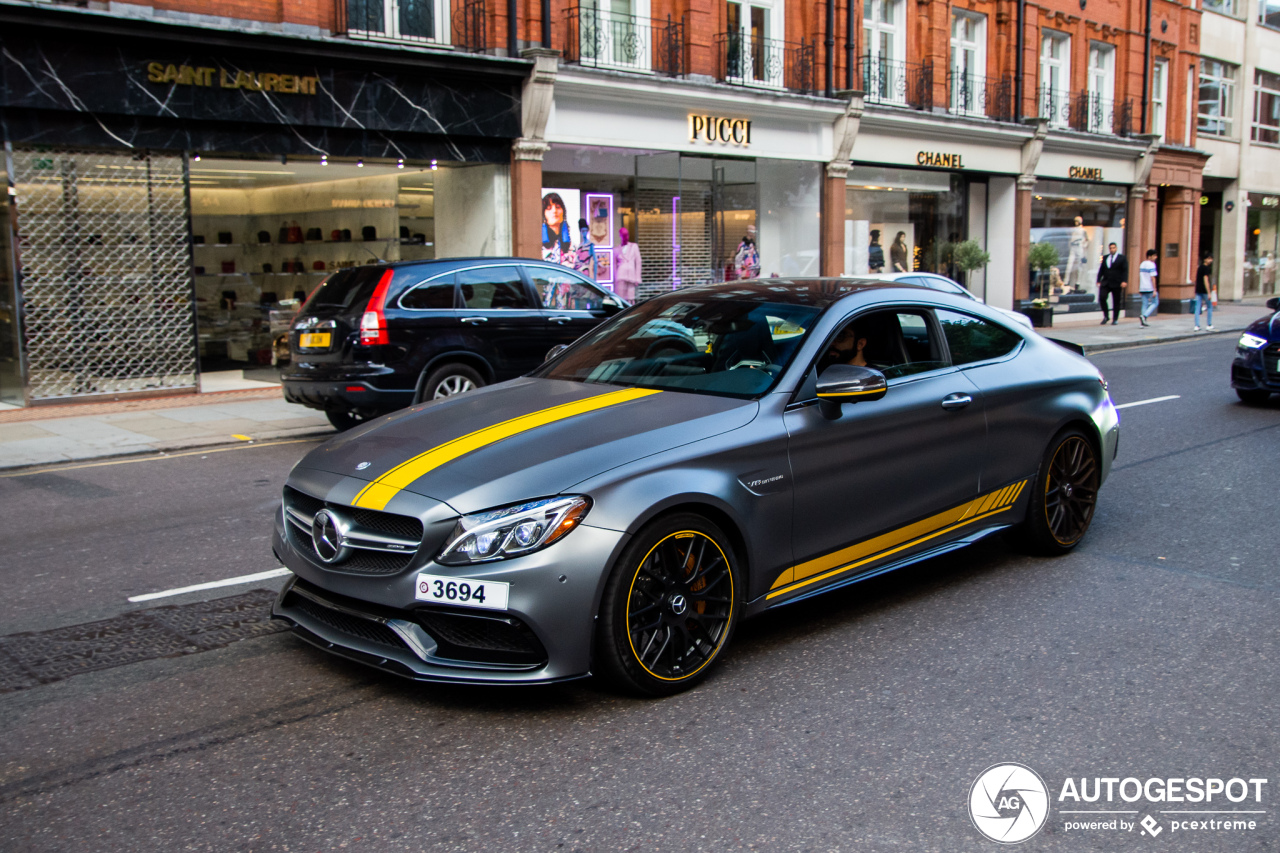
pixel 469 25
pixel 599 38
pixel 1086 112
pixel 768 63
pixel 973 95
pixel 903 84
pixel 398 20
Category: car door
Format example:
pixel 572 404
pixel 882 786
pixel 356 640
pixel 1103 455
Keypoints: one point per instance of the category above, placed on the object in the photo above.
pixel 572 305
pixel 500 320
pixel 426 321
pixel 867 482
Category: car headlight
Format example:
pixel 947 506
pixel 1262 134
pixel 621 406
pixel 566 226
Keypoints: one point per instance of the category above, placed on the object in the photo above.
pixel 511 531
pixel 1248 341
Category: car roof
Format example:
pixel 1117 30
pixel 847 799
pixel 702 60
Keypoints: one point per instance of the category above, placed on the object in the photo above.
pixel 819 292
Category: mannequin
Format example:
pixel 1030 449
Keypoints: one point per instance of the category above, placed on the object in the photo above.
pixel 628 267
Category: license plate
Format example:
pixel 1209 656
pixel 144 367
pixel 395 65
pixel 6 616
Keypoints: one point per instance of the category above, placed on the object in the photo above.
pixel 489 595
pixel 313 340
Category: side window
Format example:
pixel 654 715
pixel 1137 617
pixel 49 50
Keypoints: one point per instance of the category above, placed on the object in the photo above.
pixel 946 285
pixel 971 339
pixel 435 294
pixel 897 343
pixel 493 288
pixel 563 292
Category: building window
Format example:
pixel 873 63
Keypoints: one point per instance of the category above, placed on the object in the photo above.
pixel 968 63
pixel 1159 97
pixel 1269 13
pixel 401 20
pixel 1102 83
pixel 1217 91
pixel 884 34
pixel 1222 7
pixel 1266 108
pixel 1055 78
pixel 756 51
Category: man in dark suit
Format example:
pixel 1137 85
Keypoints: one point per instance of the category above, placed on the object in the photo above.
pixel 1113 274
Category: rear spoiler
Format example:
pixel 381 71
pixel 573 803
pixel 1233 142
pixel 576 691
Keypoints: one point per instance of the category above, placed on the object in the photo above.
pixel 1075 348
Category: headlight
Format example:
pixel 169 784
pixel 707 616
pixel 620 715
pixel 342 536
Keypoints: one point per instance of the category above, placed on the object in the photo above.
pixel 512 531
pixel 1248 341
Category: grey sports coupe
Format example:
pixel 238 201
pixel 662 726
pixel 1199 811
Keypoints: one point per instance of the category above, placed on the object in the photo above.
pixel 701 458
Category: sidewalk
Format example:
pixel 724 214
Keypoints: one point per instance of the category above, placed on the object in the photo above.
pixel 46 435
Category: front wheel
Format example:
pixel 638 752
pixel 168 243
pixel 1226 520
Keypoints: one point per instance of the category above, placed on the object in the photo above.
pixel 1252 396
pixel 343 421
pixel 670 607
pixel 1064 494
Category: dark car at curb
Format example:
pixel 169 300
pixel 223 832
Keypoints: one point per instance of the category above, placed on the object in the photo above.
pixel 376 338
pixel 704 457
pixel 1255 372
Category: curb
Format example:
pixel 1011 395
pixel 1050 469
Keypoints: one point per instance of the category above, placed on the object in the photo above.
pixel 1169 339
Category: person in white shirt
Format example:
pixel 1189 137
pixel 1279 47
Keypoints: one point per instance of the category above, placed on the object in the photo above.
pixel 1147 272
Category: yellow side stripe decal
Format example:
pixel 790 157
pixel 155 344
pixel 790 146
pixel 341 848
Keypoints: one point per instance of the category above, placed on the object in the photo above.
pixel 887 544
pixel 379 493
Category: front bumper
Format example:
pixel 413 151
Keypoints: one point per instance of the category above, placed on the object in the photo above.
pixel 1257 369
pixel 547 630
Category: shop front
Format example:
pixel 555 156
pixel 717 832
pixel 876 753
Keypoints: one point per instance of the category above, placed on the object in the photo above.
pixel 1262 244
pixel 709 185
pixel 161 242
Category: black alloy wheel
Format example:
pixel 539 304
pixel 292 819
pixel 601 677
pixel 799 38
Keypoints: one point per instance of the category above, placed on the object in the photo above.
pixel 670 606
pixel 448 380
pixel 343 421
pixel 1065 494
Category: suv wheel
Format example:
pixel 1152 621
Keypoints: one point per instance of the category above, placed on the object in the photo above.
pixel 449 380
pixel 343 421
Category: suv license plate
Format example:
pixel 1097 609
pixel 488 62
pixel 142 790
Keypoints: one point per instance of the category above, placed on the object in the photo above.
pixel 489 595
pixel 313 340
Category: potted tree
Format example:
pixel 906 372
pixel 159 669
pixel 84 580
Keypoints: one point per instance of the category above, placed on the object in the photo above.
pixel 1042 257
pixel 969 256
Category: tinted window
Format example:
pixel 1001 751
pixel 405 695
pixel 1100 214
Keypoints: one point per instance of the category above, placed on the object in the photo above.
pixel 493 287
pixel 971 339
pixel 347 288
pixel 437 293
pixel 897 343
pixel 564 292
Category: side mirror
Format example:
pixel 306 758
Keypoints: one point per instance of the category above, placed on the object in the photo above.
pixel 847 383
pixel 1274 303
pixel 609 307
pixel 555 351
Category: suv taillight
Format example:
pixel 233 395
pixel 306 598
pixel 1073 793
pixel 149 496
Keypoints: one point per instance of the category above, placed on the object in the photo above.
pixel 373 325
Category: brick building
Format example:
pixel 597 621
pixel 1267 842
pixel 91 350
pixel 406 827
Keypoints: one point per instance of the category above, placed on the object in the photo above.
pixel 848 137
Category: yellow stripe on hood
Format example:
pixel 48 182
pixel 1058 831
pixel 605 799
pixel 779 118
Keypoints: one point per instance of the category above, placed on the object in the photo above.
pixel 379 493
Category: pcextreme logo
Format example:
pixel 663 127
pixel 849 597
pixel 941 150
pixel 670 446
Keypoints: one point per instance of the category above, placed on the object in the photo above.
pixel 1009 803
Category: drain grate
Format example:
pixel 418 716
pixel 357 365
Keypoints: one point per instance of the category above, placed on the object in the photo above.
pixel 40 657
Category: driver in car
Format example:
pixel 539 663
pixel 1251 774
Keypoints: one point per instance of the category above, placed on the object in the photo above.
pixel 847 348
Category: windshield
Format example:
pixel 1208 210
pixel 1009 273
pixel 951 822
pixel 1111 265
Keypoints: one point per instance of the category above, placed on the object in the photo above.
pixel 711 342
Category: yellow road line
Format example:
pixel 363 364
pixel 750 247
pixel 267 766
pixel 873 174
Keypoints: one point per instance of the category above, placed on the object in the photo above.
pixel 157 458
pixel 377 494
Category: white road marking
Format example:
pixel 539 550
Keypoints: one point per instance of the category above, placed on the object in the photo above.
pixel 1152 400
pixel 260 576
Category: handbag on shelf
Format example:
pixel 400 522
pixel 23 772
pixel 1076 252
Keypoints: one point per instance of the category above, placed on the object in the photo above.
pixel 284 232
pixel 266 268
pixel 317 265
pixel 228 266
pixel 346 235
pixel 264 236
pixel 335 235
pixel 224 237
pixel 369 232
pixel 295 232
pixel 314 234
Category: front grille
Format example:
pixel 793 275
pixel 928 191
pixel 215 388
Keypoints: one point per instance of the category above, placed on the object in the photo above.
pixel 1271 363
pixel 364 560
pixel 346 624
pixel 483 639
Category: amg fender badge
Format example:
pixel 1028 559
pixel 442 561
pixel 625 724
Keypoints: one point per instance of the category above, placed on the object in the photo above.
pixel 763 482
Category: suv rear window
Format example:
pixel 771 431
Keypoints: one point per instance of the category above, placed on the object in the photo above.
pixel 347 288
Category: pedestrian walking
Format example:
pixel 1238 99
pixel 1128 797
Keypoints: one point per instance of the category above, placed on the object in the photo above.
pixel 1206 293
pixel 1147 273
pixel 1112 276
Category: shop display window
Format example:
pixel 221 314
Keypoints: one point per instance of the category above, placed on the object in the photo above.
pixel 1261 245
pixel 904 220
pixel 1079 220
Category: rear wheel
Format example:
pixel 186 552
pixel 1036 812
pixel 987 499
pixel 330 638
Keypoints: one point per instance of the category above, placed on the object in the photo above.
pixel 449 380
pixel 1252 396
pixel 669 607
pixel 343 421
pixel 1063 495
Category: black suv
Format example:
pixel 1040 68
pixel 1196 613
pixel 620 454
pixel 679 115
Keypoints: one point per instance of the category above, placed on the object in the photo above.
pixel 377 338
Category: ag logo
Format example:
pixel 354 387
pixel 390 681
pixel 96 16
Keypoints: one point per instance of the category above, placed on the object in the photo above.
pixel 1008 803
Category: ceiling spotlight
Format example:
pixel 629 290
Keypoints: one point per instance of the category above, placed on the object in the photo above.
pixel 284 159
pixel 324 159
pixel 433 165
pixel 360 163
pixel 196 157
pixel 400 163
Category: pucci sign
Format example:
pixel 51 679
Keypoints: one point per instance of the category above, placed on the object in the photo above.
pixel 715 130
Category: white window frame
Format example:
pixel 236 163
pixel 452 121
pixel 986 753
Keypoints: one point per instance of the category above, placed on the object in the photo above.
pixel 1216 116
pixel 1055 100
pixel 773 73
pixel 883 72
pixel 1160 97
pixel 623 25
pixel 968 94
pixel 391 24
pixel 1261 91
pixel 1101 86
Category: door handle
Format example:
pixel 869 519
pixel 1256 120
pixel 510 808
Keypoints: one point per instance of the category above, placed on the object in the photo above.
pixel 474 320
pixel 956 401
pixel 560 320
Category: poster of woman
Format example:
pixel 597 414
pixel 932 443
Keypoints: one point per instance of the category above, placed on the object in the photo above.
pixel 560 210
pixel 600 225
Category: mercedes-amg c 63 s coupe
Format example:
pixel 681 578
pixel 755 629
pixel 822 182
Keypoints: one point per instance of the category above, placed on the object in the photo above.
pixel 697 459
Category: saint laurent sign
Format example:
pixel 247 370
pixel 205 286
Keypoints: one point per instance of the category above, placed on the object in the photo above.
pixel 715 129
pixel 253 81
pixel 940 160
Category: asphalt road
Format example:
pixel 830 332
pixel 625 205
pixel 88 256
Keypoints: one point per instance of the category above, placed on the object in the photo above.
pixel 856 721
